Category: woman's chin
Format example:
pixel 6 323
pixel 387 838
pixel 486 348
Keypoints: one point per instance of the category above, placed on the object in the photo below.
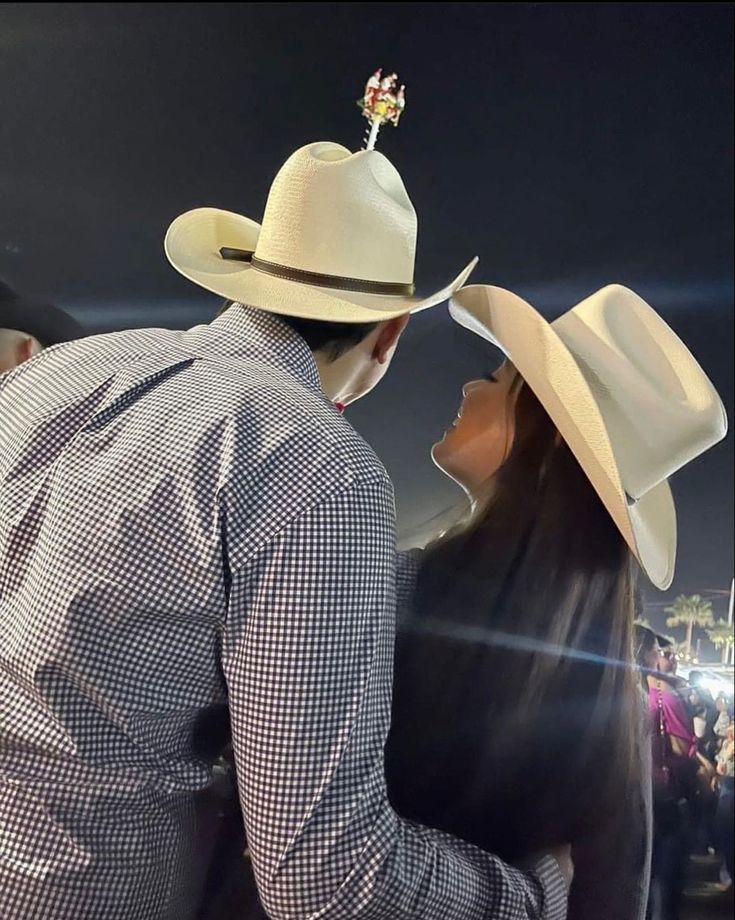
pixel 436 453
pixel 445 460
pixel 442 457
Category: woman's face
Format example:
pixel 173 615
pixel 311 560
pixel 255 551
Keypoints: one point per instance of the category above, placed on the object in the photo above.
pixel 479 440
pixel 653 657
pixel 667 661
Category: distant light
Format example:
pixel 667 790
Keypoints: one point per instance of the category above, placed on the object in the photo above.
pixel 717 685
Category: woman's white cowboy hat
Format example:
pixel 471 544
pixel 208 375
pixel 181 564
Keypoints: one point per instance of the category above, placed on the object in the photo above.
pixel 337 242
pixel 624 392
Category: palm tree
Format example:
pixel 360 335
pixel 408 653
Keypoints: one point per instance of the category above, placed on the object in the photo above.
pixel 721 636
pixel 690 612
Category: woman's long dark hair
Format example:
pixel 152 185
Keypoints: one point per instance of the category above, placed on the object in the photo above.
pixel 516 703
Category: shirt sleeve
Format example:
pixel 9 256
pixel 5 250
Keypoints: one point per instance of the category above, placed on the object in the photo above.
pixel 407 568
pixel 307 656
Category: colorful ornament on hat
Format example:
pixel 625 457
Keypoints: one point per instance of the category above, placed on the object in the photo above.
pixel 383 102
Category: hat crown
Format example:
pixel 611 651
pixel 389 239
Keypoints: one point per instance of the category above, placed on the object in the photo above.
pixel 659 407
pixel 338 213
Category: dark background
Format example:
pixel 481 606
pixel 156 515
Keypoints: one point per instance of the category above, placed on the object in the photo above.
pixel 568 145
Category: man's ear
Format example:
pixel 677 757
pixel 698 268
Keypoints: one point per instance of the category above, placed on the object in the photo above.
pixel 388 334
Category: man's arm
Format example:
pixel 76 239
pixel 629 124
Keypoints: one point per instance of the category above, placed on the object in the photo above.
pixel 407 569
pixel 307 656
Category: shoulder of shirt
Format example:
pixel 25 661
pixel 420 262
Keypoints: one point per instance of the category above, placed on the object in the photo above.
pixel 264 415
pixel 282 433
pixel 309 442
pixel 307 455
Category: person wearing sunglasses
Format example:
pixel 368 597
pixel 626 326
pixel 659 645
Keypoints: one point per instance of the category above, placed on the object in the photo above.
pixel 669 664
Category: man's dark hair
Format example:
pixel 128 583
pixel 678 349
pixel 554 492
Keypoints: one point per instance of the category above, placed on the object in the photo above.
pixel 331 339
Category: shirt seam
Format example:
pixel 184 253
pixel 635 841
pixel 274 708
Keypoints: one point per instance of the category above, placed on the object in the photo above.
pixel 360 479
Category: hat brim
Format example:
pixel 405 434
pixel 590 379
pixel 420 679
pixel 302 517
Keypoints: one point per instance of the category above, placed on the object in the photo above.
pixel 551 371
pixel 192 246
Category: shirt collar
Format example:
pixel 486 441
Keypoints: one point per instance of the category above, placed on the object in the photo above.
pixel 248 330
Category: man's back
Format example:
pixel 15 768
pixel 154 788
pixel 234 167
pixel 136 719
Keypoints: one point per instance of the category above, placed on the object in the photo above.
pixel 186 518
pixel 136 470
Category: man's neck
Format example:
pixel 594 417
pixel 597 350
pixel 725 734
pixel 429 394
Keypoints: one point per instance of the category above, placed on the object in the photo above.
pixel 336 377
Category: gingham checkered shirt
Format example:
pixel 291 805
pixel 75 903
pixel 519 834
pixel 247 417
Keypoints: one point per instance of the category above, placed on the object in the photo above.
pixel 186 520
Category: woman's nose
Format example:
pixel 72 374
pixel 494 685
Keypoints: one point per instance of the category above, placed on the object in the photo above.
pixel 470 386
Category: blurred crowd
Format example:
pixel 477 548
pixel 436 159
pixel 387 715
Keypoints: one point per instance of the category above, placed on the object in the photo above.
pixel 693 772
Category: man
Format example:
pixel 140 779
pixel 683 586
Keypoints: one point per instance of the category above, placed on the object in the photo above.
pixel 188 521
pixel 29 326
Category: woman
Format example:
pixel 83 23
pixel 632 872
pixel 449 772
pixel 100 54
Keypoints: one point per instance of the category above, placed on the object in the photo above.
pixel 517 711
pixel 669 664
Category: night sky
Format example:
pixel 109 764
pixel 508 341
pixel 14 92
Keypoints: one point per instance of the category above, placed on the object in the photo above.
pixel 568 145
